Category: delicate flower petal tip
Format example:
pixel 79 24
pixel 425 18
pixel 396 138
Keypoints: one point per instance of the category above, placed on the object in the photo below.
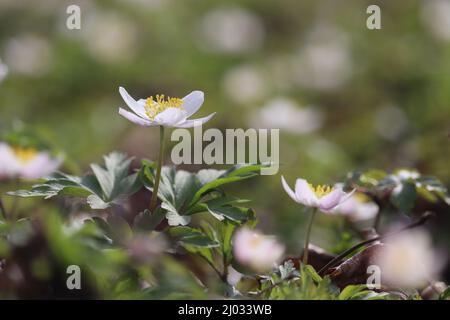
pixel 138 107
pixel 195 122
pixel 136 119
pixel 331 200
pixel 304 193
pixel 171 117
pixel 9 164
pixel 288 189
pixel 192 102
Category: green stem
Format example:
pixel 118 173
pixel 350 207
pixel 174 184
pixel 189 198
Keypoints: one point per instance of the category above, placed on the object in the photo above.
pixel 308 234
pixel 3 210
pixel 154 199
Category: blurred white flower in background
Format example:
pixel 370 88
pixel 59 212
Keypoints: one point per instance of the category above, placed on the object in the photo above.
pixel 3 71
pixel 245 84
pixel 324 62
pixel 147 4
pixel 25 163
pixel 44 6
pixel 255 250
pixel 28 54
pixel 230 30
pixel 408 260
pixel 285 114
pixel 358 208
pixel 436 16
pixel 390 122
pixel 109 37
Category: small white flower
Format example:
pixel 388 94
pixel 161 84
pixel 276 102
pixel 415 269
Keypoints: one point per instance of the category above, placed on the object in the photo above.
pixel 283 113
pixel 408 260
pixel 231 30
pixel 29 55
pixel 245 84
pixel 358 208
pixel 170 112
pixel 25 163
pixel 436 16
pixel 256 250
pixel 325 198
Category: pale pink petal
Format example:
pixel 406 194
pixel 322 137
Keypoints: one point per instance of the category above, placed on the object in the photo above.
pixel 9 164
pixel 288 189
pixel 171 117
pixel 304 193
pixel 136 119
pixel 195 122
pixel 331 200
pixel 41 165
pixel 138 107
pixel 192 102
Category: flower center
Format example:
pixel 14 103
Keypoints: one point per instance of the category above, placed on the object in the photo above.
pixel 321 190
pixel 255 241
pixel 153 108
pixel 25 154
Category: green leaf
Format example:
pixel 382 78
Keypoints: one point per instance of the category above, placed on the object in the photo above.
pixel 445 295
pixel 193 237
pixel 404 196
pixel 148 221
pixel 237 214
pixel 175 219
pixel 108 185
pixel 352 291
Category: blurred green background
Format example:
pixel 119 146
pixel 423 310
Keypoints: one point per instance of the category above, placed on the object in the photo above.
pixel 344 97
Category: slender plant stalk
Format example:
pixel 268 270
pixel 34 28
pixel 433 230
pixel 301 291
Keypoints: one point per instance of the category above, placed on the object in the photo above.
pixel 154 199
pixel 3 210
pixel 335 261
pixel 308 234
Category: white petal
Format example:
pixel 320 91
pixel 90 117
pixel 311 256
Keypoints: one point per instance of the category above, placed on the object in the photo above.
pixel 137 106
pixel 288 190
pixel 304 193
pixel 9 164
pixel 136 119
pixel 195 122
pixel 192 102
pixel 41 165
pixel 331 200
pixel 171 117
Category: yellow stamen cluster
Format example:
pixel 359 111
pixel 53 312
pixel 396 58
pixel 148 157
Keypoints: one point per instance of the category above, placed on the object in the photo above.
pixel 25 154
pixel 255 241
pixel 321 191
pixel 154 107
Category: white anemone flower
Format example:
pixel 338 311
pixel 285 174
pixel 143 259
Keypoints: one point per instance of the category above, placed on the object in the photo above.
pixel 170 112
pixel 258 251
pixel 408 260
pixel 325 198
pixel 358 208
pixel 25 163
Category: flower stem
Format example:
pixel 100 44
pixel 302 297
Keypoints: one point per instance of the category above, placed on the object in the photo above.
pixel 308 234
pixel 3 210
pixel 154 199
